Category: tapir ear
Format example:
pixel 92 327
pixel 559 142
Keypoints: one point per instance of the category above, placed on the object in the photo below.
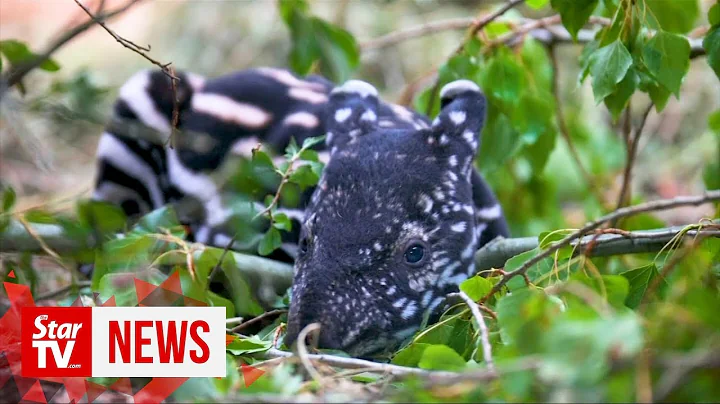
pixel 462 114
pixel 351 112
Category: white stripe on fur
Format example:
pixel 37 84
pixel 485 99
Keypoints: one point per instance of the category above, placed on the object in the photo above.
pixel 229 110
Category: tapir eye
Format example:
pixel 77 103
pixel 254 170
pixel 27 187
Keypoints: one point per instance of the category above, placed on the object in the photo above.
pixel 415 253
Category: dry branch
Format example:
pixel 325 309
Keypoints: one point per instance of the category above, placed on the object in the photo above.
pixel 17 73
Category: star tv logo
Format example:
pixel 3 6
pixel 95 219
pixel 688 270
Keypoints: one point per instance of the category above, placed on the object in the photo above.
pixel 123 341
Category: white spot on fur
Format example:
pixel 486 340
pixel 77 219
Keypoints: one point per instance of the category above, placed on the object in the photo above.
pixel 425 203
pixel 341 115
pixel 400 302
pixel 369 116
pixel 409 311
pixel 459 227
pixel 391 291
pixel 489 214
pixel 452 160
pixel 458 117
pixel 469 137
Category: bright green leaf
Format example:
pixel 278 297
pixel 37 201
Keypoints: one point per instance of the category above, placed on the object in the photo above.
pixel 667 57
pixel 244 346
pixel 677 16
pixel 8 200
pixel 711 43
pixel 282 222
pixel 574 13
pixel 270 242
pixel 618 100
pixel 608 66
pixel 476 287
pixel 441 357
pixel 536 4
pixel 639 280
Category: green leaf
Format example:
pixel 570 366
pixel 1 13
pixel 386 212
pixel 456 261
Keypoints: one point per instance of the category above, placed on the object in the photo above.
pixel 262 159
pixel 677 16
pixel 312 141
pixel 270 242
pixel 536 4
pixel 162 218
pixel 282 222
pixel 608 66
pixel 441 357
pixel 410 355
pixel 574 13
pixel 667 57
pixel 532 117
pixel 100 216
pixel 618 100
pixel 476 287
pixel 714 14
pixel 304 176
pixel 8 200
pixel 244 346
pixel 18 52
pixel 639 280
pixel 711 43
pixel 504 80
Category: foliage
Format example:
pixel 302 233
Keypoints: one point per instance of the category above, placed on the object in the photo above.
pixel 626 328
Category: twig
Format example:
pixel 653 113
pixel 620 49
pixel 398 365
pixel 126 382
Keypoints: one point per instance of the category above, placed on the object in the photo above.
pixel 18 72
pixel 140 50
pixel 59 292
pixel 432 27
pixel 482 326
pixel 565 132
pixel 632 145
pixel 217 266
pixel 303 353
pixel 709 196
pixel 254 320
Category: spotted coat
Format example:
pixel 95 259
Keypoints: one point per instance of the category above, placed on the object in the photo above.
pixel 390 229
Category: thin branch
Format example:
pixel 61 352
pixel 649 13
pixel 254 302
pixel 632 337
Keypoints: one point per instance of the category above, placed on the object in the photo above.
pixel 429 28
pixel 18 72
pixel 709 196
pixel 254 320
pixel 303 353
pixel 632 146
pixel 482 326
pixel 140 50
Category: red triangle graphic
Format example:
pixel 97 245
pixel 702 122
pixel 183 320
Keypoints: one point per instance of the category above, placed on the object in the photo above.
pixel 250 374
pixel 11 274
pixel 110 302
pixel 158 389
pixel 75 387
pixel 122 385
pixel 172 283
pixel 35 393
pixel 14 291
pixel 77 303
pixel 93 390
pixel 143 289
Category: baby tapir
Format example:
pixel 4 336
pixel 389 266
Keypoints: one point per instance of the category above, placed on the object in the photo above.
pixel 394 222
pixel 392 226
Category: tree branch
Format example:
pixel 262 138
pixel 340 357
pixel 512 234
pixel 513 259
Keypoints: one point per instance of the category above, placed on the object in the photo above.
pixel 140 50
pixel 663 204
pixel 17 73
